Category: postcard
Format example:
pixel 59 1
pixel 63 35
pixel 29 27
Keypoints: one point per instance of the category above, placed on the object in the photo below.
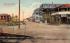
pixel 34 21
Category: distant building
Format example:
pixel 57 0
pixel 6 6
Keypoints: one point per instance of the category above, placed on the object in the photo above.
pixel 38 15
pixel 5 18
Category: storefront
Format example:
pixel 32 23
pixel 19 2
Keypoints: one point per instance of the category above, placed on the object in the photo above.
pixel 61 18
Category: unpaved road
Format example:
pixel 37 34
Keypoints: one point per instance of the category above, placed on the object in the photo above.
pixel 44 33
pixel 48 33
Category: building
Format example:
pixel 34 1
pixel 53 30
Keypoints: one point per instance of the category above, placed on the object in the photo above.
pixel 50 13
pixel 62 17
pixel 56 13
pixel 61 14
pixel 48 9
pixel 38 15
pixel 5 18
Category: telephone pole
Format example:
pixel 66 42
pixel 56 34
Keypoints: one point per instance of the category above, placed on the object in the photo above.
pixel 19 14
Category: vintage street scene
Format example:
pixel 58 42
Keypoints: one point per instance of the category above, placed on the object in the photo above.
pixel 34 21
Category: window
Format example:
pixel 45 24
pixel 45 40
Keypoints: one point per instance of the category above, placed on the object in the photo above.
pixel 1 17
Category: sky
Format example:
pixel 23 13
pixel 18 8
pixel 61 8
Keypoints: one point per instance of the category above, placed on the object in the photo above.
pixel 27 6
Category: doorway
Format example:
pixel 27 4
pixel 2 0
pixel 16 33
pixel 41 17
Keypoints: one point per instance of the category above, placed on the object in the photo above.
pixel 63 20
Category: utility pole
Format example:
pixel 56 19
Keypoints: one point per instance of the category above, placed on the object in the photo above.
pixel 19 14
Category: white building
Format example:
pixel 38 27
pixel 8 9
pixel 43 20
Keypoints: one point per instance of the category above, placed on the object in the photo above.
pixel 38 15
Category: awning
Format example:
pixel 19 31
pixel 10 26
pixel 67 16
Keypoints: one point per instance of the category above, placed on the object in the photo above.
pixel 60 13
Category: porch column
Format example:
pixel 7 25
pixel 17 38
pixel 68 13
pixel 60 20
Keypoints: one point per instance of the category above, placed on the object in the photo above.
pixel 50 17
pixel 66 16
pixel 67 9
pixel 58 9
pixel 59 17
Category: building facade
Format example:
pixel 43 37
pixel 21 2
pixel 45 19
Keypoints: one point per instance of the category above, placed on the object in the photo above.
pixel 50 13
pixel 61 14
pixel 38 15
pixel 49 9
pixel 5 18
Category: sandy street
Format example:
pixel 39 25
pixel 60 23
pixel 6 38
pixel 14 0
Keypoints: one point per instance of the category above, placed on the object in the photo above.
pixel 44 33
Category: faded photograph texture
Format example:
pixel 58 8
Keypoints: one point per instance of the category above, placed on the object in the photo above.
pixel 34 21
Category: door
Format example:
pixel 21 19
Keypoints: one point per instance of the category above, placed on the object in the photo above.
pixel 63 20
